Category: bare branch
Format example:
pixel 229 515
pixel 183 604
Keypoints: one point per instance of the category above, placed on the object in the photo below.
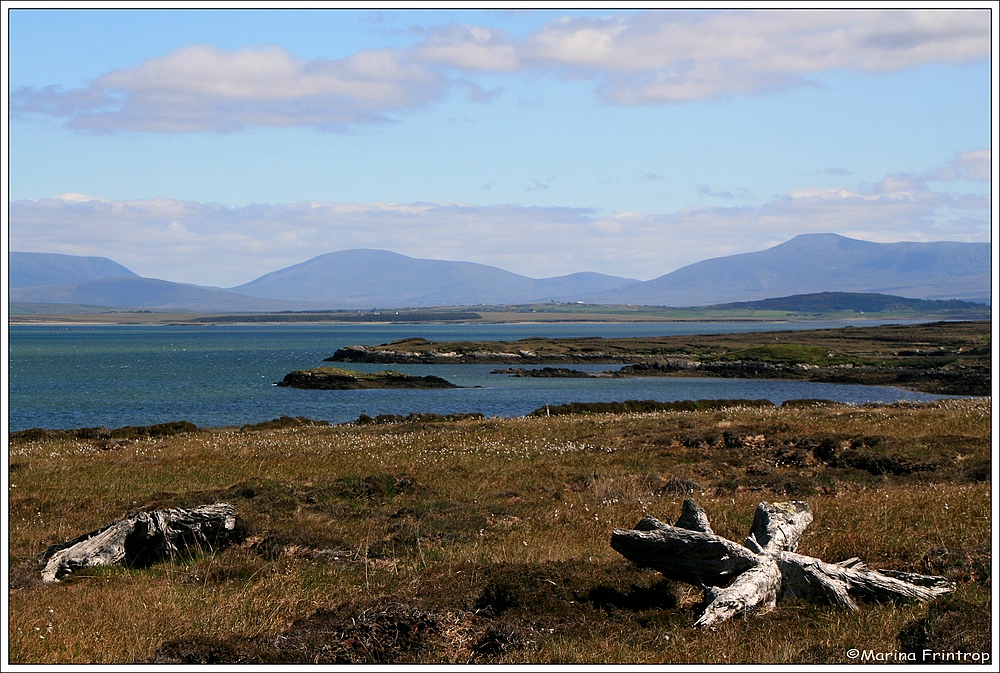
pixel 749 578
pixel 755 591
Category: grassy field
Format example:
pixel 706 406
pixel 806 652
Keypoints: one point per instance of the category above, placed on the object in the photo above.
pixel 487 540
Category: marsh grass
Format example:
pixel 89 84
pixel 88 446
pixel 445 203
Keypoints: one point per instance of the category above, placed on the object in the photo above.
pixel 486 540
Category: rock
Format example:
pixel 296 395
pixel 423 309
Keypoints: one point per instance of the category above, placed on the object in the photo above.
pixel 333 378
pixel 544 373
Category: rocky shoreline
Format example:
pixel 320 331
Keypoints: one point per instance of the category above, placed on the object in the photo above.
pixel 944 358
pixel 421 352
pixel 938 381
pixel 549 373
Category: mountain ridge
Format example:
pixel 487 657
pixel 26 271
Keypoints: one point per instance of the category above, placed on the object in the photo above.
pixel 367 278
pixel 810 263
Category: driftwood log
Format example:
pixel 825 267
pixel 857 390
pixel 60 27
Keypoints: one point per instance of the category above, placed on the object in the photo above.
pixel 750 578
pixel 141 539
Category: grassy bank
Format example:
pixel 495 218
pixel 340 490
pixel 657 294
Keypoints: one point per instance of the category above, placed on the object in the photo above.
pixel 486 540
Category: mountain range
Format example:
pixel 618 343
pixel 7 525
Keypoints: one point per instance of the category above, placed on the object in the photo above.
pixel 822 263
pixel 364 279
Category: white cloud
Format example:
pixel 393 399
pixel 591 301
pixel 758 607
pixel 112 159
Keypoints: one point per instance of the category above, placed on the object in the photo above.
pixel 201 88
pixel 663 56
pixel 471 48
pixel 653 57
pixel 75 197
pixel 974 165
pixel 826 194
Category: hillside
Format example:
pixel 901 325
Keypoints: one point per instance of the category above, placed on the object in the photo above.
pixel 862 302
pixel 30 269
pixel 812 263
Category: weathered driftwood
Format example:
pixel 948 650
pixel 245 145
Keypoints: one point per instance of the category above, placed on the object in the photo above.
pixel 141 539
pixel 741 579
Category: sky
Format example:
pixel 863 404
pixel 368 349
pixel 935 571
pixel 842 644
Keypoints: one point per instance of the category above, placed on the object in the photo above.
pixel 211 144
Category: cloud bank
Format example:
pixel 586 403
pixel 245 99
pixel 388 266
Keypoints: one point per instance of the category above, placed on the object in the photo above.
pixel 652 58
pixel 212 244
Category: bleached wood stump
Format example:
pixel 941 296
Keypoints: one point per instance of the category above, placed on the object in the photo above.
pixel 749 578
pixel 141 539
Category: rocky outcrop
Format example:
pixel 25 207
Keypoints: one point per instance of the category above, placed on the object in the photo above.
pixel 433 356
pixel 547 373
pixel 329 378
pixel 536 350
pixel 954 380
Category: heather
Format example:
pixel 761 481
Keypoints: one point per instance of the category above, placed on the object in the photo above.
pixel 463 539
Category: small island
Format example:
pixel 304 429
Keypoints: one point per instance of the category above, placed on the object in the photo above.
pixel 548 373
pixel 335 378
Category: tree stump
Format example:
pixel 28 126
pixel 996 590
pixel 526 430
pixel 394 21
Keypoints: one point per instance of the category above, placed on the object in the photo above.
pixel 141 539
pixel 750 578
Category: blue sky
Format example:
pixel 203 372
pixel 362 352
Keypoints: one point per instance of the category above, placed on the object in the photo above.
pixel 212 146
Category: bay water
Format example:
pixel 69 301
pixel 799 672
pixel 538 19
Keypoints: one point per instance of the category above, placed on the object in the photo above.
pixel 72 376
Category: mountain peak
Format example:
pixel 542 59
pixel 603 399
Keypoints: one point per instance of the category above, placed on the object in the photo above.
pixel 811 263
pixel 363 278
pixel 821 241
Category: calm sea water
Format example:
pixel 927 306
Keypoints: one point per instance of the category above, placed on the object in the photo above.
pixel 215 376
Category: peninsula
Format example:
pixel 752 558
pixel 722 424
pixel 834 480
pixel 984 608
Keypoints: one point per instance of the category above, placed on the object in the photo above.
pixel 948 358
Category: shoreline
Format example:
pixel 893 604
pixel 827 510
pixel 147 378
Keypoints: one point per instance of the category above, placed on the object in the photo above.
pixel 713 321
pixel 667 321
pixel 173 427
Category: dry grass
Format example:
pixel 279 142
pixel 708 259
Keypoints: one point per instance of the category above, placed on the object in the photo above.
pixel 486 541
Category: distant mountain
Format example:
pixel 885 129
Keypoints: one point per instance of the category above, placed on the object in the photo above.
pixel 365 279
pixel 377 278
pixel 822 302
pixel 821 263
pixel 30 269
pixel 149 293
